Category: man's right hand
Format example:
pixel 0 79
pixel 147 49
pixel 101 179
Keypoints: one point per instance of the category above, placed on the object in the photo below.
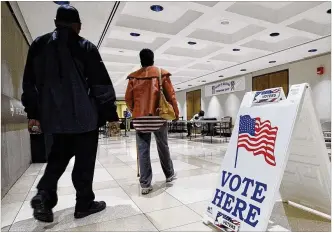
pixel 34 126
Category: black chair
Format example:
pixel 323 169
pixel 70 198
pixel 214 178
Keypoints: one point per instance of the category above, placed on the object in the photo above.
pixel 225 128
pixel 208 128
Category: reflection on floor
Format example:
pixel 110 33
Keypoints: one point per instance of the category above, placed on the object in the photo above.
pixel 178 206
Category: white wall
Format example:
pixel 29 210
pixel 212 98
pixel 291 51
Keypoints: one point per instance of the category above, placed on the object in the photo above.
pixel 299 72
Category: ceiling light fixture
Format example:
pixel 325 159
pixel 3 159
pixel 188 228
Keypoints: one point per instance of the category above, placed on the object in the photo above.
pixel 61 3
pixel 274 34
pixel 272 61
pixel 312 50
pixel 225 22
pixel 236 50
pixel 329 11
pixel 203 81
pixel 178 88
pixel 121 51
pixel 243 70
pixel 192 42
pixel 156 8
pixel 221 76
pixel 190 85
pixel 134 34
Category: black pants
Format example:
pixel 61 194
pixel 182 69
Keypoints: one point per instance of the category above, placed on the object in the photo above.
pixel 65 146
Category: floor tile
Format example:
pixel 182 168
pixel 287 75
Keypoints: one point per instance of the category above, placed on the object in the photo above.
pixel 119 205
pixel 295 219
pixel 5 229
pixel 34 169
pixel 110 162
pixel 9 212
pixel 199 207
pixel 71 190
pixel 193 189
pixel 23 185
pixel 174 217
pixel 12 198
pixel 197 227
pixel 178 166
pixel 158 199
pixel 122 172
pixel 100 175
pixel 130 224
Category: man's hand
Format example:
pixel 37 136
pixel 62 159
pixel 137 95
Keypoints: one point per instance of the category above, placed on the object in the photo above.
pixel 34 126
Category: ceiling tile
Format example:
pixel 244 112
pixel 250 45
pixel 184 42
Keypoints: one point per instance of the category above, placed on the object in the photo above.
pixel 130 21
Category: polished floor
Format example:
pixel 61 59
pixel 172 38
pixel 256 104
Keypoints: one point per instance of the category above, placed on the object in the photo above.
pixel 178 206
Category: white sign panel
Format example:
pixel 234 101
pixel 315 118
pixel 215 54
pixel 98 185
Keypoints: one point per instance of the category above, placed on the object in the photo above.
pixel 223 87
pixel 307 177
pixel 253 165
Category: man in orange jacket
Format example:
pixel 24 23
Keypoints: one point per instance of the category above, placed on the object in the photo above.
pixel 142 98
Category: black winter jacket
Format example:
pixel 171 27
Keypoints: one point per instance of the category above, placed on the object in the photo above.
pixel 66 85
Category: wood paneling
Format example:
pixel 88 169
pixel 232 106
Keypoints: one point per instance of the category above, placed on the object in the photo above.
pixel 280 79
pixel 193 99
pixel 272 80
pixel 261 82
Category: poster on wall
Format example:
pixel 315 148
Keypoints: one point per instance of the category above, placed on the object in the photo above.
pixel 223 87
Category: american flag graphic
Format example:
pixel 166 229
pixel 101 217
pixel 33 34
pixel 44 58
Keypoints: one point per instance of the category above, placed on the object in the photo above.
pixel 258 137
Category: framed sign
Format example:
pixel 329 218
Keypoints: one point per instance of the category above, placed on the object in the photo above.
pixel 224 87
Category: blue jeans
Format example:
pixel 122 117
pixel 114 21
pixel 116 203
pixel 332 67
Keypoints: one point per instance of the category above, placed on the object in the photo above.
pixel 144 144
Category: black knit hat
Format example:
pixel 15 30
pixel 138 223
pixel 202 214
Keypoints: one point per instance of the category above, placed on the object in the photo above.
pixel 67 14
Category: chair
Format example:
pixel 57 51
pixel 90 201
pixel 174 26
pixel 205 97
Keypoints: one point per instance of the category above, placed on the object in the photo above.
pixel 326 129
pixel 225 128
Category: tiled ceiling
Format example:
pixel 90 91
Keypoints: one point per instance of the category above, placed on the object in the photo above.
pixel 218 28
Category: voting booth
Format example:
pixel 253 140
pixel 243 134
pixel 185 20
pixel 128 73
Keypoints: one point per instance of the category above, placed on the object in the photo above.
pixel 276 145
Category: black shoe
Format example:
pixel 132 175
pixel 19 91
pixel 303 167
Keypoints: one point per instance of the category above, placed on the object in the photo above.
pixel 97 206
pixel 41 212
pixel 188 135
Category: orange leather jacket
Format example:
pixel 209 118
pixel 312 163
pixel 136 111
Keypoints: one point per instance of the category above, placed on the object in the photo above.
pixel 142 94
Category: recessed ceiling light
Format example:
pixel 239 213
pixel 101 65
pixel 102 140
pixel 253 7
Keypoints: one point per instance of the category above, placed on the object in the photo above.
pixel 312 50
pixel 203 81
pixel 220 76
pixel 134 34
pixel 272 61
pixel 192 42
pixel 329 11
pixel 157 8
pixel 189 85
pixel 274 34
pixel 62 2
pixel 178 88
pixel 243 70
pixel 236 50
pixel 121 51
pixel 225 22
pixel 207 61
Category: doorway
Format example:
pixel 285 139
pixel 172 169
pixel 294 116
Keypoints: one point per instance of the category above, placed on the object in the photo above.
pixel 272 80
pixel 193 99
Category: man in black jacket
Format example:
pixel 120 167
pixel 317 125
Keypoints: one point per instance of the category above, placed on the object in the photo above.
pixel 67 92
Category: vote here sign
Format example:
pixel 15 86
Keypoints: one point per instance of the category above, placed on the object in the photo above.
pixel 253 167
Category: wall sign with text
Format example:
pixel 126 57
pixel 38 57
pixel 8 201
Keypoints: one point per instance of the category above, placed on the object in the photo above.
pixel 223 87
pixel 12 111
